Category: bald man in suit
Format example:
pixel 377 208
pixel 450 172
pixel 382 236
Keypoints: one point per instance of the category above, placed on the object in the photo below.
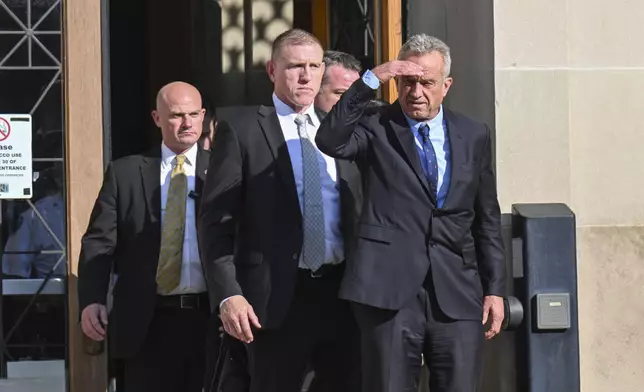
pixel 143 227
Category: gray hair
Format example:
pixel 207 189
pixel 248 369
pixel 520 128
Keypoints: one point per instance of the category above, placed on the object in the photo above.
pixel 420 44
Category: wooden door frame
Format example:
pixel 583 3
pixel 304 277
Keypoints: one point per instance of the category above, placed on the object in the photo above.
pixel 391 41
pixel 388 39
pixel 83 119
pixel 320 21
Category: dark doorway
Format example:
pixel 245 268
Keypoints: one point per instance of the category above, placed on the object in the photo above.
pixel 217 48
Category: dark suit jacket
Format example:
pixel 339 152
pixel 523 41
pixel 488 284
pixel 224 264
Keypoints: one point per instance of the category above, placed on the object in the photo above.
pixel 250 223
pixel 124 232
pixel 401 232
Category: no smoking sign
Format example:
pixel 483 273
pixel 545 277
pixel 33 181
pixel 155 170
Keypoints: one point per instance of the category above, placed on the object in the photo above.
pixel 16 169
pixel 5 129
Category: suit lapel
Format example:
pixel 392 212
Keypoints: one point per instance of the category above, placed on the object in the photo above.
pixel 405 138
pixel 150 176
pixel 272 129
pixel 457 151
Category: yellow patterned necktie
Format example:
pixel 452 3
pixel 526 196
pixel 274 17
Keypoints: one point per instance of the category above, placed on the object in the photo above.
pixel 173 229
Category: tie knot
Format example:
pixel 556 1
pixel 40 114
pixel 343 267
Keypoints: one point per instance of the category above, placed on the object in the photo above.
pixel 181 159
pixel 301 119
pixel 424 130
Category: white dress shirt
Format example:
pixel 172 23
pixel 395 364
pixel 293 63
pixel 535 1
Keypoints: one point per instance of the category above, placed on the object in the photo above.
pixel 192 278
pixel 328 178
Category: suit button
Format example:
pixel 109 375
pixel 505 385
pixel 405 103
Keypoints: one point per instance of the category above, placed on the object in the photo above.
pixel 432 244
pixel 295 256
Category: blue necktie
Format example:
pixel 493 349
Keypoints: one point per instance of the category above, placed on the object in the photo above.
pixel 314 246
pixel 431 165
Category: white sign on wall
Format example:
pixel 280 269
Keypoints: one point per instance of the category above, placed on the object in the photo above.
pixel 16 171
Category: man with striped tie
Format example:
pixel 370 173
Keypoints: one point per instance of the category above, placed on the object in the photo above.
pixel 143 227
pixel 276 224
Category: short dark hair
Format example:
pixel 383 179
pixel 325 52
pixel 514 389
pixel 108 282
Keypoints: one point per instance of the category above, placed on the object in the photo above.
pixel 344 60
pixel 293 37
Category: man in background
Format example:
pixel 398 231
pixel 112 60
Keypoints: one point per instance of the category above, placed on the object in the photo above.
pixel 340 71
pixel 35 250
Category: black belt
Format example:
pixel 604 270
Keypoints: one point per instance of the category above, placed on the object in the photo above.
pixel 325 271
pixel 184 301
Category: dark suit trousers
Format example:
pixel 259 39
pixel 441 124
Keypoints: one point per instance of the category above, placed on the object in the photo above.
pixel 319 331
pixel 172 358
pixel 231 373
pixel 393 342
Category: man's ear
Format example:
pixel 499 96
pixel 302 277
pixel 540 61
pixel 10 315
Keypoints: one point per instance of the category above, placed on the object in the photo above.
pixel 447 84
pixel 270 70
pixel 155 117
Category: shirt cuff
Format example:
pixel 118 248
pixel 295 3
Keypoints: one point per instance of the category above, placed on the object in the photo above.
pixel 371 80
pixel 224 300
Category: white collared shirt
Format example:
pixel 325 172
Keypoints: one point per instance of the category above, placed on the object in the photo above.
pixel 328 178
pixel 192 277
